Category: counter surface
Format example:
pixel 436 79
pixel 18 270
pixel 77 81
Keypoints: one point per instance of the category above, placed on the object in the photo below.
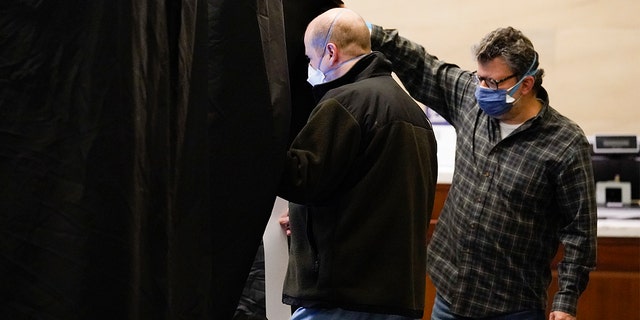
pixel 619 222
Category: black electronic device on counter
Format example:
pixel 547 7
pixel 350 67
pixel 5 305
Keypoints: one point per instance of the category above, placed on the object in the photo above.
pixel 615 144
pixel 616 169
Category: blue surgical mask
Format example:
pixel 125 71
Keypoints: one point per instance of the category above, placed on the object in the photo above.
pixel 498 102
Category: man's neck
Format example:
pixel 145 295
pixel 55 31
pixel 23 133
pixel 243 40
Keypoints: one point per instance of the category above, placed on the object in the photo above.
pixel 525 109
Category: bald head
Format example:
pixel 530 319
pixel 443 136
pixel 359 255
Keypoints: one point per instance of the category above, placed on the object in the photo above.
pixel 345 28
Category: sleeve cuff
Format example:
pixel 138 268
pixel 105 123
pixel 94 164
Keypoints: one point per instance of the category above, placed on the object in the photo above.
pixel 565 304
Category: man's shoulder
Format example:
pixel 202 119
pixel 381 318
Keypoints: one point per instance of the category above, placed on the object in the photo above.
pixel 562 125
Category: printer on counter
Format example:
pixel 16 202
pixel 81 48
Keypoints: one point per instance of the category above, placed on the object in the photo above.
pixel 616 169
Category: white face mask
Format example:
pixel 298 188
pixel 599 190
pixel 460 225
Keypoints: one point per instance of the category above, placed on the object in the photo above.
pixel 315 76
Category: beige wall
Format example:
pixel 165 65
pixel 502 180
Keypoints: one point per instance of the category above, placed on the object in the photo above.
pixel 590 49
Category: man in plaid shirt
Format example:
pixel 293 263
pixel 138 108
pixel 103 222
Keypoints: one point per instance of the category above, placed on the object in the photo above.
pixel 523 182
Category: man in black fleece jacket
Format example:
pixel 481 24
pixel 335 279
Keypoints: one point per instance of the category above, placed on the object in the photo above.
pixel 363 170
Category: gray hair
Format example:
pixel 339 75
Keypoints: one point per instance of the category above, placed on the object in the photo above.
pixel 515 48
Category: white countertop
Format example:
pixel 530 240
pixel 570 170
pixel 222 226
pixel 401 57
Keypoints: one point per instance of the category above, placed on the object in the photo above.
pixel 446 139
pixel 619 222
pixel 616 228
pixel 445 175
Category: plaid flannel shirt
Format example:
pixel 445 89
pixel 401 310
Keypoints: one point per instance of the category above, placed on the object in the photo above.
pixel 512 201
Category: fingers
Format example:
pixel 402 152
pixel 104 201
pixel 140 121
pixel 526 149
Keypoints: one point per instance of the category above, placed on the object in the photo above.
pixel 283 220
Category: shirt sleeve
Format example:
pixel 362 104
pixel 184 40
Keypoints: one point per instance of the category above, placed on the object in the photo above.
pixel 441 86
pixel 321 155
pixel 576 196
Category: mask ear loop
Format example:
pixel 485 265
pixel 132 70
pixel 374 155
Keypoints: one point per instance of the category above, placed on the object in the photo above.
pixel 531 72
pixel 509 98
pixel 327 37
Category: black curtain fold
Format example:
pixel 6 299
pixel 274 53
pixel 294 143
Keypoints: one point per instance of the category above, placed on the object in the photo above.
pixel 141 144
pixel 104 187
pixel 248 130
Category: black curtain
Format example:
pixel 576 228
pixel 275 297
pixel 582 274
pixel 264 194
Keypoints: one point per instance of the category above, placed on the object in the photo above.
pixel 104 209
pixel 141 144
pixel 249 121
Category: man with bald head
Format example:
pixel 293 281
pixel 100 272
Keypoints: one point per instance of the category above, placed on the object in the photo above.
pixel 363 170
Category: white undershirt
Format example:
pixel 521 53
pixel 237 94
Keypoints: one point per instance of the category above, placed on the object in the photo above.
pixel 506 129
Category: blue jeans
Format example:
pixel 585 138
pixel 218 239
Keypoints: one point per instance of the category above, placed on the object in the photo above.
pixel 441 311
pixel 340 314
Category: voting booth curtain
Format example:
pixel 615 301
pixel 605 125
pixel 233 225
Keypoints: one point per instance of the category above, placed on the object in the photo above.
pixel 141 143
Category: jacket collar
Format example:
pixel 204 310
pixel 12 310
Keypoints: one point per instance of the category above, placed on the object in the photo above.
pixel 373 64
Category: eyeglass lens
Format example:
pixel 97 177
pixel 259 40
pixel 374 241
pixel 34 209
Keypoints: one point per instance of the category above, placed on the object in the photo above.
pixel 491 83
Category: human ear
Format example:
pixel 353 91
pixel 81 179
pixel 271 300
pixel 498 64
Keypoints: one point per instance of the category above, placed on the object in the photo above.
pixel 332 51
pixel 527 84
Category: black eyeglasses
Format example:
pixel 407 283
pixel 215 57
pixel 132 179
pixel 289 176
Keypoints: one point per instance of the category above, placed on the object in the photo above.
pixel 492 84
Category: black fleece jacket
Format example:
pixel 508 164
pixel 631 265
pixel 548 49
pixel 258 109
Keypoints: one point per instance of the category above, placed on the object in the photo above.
pixel 363 170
